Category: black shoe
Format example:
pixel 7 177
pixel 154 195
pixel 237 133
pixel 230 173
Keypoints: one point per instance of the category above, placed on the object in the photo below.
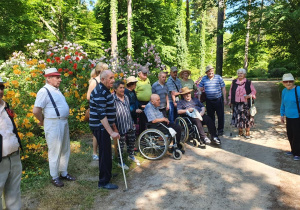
pixel 114 175
pixel 68 177
pixel 57 182
pixel 220 133
pixel 109 186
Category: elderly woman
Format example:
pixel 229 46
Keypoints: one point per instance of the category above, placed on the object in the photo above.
pixel 10 162
pixel 290 109
pixel 241 91
pixel 95 80
pixel 186 82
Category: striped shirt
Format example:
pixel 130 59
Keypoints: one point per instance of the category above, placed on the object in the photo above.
pixel 162 91
pixel 152 112
pixel 123 117
pixel 172 87
pixel 213 87
pixel 101 106
pixel 194 103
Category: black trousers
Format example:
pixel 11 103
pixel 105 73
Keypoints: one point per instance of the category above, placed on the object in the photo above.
pixel 143 118
pixel 292 128
pixel 216 106
pixel 206 121
pixel 105 160
pixel 176 127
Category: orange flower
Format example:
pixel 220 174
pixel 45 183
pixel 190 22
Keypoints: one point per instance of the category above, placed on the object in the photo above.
pixel 17 72
pixel 116 75
pixel 122 74
pixel 15 83
pixel 29 134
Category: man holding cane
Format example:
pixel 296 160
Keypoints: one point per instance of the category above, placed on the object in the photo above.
pixel 102 124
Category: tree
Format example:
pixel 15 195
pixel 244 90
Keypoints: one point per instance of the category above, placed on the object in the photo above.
pixel 219 55
pixel 180 38
pixel 247 35
pixel 114 39
pixel 129 16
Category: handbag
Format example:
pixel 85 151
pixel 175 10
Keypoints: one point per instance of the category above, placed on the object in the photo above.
pixel 296 95
pixel 252 109
pixel 87 115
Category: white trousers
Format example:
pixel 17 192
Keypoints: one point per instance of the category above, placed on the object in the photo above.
pixel 58 141
pixel 10 181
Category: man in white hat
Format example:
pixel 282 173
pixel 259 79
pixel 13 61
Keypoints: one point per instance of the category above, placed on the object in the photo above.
pixel 52 110
pixel 215 96
pixel 10 162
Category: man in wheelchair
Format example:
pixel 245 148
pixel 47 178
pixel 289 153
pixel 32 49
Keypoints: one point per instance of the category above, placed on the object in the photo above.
pixel 155 117
pixel 189 105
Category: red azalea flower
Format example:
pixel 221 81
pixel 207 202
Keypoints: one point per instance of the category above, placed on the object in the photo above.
pixel 70 61
pixel 70 73
pixel 76 53
pixel 48 60
pixel 92 65
pixel 66 70
pixel 77 58
pixel 53 61
pixel 75 66
pixel 51 54
pixel 65 48
pixel 60 70
pixel 57 58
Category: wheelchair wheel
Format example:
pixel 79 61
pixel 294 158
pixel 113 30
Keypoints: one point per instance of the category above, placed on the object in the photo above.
pixel 196 143
pixel 153 144
pixel 177 154
pixel 184 129
pixel 181 147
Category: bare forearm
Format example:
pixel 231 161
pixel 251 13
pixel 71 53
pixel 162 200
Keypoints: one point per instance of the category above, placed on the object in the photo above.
pixel 106 125
pixel 38 113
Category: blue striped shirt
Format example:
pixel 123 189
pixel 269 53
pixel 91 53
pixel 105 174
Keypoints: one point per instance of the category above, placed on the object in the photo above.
pixel 213 87
pixel 124 120
pixel 162 91
pixel 152 112
pixel 101 106
pixel 173 85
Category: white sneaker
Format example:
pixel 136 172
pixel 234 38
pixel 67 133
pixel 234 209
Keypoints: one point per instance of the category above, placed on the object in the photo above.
pixel 132 158
pixel 207 140
pixel 217 140
pixel 124 166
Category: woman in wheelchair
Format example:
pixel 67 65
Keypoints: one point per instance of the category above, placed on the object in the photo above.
pixel 187 105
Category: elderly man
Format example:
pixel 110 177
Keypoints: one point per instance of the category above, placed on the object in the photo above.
pixel 124 122
pixel 174 88
pixel 214 87
pixel 161 89
pixel 188 104
pixel 102 124
pixel 155 116
pixel 143 93
pixel 52 110
pixel 10 162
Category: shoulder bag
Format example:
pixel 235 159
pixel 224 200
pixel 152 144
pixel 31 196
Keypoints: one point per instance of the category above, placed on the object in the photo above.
pixel 296 95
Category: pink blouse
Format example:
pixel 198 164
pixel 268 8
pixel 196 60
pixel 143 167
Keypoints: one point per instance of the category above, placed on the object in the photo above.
pixel 241 91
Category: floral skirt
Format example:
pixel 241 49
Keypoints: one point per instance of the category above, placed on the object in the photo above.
pixel 241 116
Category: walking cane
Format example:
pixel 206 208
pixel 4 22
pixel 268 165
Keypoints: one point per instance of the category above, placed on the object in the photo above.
pixel 122 165
pixel 231 113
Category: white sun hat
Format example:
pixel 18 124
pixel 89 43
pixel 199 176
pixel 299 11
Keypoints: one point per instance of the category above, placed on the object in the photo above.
pixel 288 77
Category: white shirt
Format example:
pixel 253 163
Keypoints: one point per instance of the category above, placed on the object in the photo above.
pixel 43 101
pixel 10 140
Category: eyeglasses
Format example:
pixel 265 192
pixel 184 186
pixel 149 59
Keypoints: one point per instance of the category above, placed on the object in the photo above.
pixel 290 81
pixel 2 87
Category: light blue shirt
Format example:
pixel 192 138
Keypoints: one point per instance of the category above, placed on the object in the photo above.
pixel 288 103
pixel 213 87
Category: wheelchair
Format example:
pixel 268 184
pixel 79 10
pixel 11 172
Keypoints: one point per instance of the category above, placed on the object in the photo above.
pixel 153 143
pixel 189 131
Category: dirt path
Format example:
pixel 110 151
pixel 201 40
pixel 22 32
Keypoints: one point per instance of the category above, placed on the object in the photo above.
pixel 241 174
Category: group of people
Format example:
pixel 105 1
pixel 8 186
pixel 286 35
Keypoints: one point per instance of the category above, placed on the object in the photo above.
pixel 116 115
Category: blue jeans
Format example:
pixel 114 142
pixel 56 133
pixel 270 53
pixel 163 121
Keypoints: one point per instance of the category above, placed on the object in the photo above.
pixel 172 112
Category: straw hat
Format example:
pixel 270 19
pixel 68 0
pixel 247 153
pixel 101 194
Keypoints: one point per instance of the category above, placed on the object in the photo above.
pixel 130 80
pixel 1 81
pixel 51 72
pixel 209 67
pixel 288 77
pixel 183 71
pixel 185 90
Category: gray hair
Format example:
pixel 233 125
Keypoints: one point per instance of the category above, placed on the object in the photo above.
pixel 161 72
pixel 117 84
pixel 104 74
pixel 243 71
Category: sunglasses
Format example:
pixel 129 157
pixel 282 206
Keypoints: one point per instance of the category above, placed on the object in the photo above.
pixel 290 81
pixel 2 87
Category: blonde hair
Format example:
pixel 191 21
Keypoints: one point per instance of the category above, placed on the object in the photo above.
pixel 100 67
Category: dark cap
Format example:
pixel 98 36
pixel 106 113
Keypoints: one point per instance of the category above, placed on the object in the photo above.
pixel 174 68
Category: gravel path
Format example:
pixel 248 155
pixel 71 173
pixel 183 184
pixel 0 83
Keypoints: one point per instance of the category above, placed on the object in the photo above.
pixel 240 174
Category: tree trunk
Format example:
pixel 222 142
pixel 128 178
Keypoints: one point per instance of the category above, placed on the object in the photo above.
pixel 260 19
pixel 247 36
pixel 129 40
pixel 202 42
pixel 187 22
pixel 180 38
pixel 114 40
pixel 219 56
